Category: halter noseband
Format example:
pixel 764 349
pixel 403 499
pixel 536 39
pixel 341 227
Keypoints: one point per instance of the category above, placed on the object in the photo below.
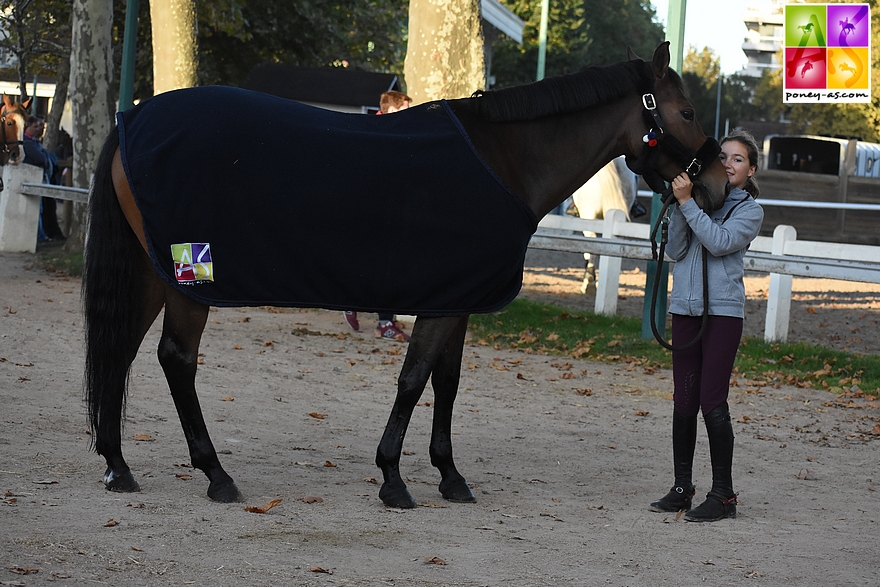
pixel 692 163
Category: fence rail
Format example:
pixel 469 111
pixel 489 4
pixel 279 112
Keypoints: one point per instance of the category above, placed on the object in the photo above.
pixel 58 192
pixel 782 256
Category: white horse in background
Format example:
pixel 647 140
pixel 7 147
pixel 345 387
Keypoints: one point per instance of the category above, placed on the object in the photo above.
pixel 614 187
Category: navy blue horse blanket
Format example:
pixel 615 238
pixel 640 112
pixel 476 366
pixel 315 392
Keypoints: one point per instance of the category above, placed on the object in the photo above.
pixel 251 200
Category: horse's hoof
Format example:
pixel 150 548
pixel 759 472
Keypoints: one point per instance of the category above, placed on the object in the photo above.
pixel 225 493
pixel 458 492
pixel 122 482
pixel 396 498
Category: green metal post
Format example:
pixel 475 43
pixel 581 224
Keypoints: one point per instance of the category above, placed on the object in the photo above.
pixel 129 47
pixel 675 20
pixel 542 39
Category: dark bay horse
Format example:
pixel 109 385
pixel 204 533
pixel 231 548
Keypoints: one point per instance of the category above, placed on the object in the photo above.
pixel 539 142
pixel 13 121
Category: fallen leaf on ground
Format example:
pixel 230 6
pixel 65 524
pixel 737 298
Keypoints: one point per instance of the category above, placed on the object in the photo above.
pixel 256 509
pixel 329 464
pixel 316 569
pixel 312 499
pixel 143 437
pixel 228 398
pixel 24 570
pixel 110 523
pixel 317 415
pixel 434 560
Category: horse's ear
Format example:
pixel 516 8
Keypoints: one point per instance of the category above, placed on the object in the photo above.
pixel 660 62
pixel 630 54
pixel 7 100
pixel 27 103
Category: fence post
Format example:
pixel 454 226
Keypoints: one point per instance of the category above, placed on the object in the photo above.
pixel 608 282
pixel 779 294
pixel 19 214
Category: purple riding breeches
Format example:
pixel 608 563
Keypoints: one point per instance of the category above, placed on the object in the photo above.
pixel 702 372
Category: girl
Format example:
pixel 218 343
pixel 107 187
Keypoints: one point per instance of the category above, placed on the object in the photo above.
pixel 702 372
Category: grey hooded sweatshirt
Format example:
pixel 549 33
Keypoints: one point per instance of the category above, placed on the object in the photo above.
pixel 726 241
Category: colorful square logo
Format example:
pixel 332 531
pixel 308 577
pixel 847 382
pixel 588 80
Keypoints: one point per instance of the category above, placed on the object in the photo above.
pixel 827 53
pixel 192 263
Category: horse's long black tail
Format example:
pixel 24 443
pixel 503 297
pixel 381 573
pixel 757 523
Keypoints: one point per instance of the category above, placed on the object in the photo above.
pixel 112 302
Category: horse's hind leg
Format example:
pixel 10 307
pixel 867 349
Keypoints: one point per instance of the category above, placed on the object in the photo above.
pixel 178 354
pixel 444 379
pixel 429 338
pixel 108 431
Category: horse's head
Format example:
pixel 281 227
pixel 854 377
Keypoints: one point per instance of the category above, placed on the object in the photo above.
pixel 668 139
pixel 13 120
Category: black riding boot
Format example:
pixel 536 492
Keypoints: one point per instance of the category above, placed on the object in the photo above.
pixel 721 500
pixel 684 439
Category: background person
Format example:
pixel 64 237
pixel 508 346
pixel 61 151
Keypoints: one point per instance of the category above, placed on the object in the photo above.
pixel 37 155
pixel 387 327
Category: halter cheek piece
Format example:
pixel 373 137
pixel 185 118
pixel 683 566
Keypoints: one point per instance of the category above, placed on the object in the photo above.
pixel 657 140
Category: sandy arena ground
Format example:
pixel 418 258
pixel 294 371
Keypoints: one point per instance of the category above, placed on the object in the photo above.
pixel 564 456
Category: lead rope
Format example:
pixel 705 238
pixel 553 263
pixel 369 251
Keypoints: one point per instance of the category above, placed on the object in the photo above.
pixel 663 221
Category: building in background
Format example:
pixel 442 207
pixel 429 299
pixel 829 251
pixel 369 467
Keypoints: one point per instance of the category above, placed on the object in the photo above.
pixel 765 37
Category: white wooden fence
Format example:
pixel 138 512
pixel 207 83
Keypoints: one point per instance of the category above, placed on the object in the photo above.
pixel 782 256
pixel 20 205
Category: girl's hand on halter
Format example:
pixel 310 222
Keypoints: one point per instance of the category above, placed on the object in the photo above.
pixel 681 187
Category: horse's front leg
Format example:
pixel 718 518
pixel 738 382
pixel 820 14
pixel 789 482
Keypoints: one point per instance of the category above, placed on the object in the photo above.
pixel 429 337
pixel 444 379
pixel 589 283
pixel 178 354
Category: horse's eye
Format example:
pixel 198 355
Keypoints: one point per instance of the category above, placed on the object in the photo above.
pixel 687 114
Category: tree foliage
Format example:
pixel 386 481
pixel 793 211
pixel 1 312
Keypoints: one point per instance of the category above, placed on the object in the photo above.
pixel 704 64
pixel 35 34
pixel 236 35
pixel 701 71
pixel 579 33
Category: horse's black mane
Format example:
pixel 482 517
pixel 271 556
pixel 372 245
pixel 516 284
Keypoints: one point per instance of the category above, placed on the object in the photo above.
pixel 564 93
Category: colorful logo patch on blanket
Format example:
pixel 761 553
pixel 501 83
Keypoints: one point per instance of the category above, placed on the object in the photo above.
pixel 192 263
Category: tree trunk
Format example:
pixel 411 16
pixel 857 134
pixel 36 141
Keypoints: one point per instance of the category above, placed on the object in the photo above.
pixel 175 47
pixel 444 56
pixel 62 82
pixel 91 97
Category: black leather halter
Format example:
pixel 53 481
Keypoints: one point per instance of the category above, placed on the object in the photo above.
pixel 658 139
